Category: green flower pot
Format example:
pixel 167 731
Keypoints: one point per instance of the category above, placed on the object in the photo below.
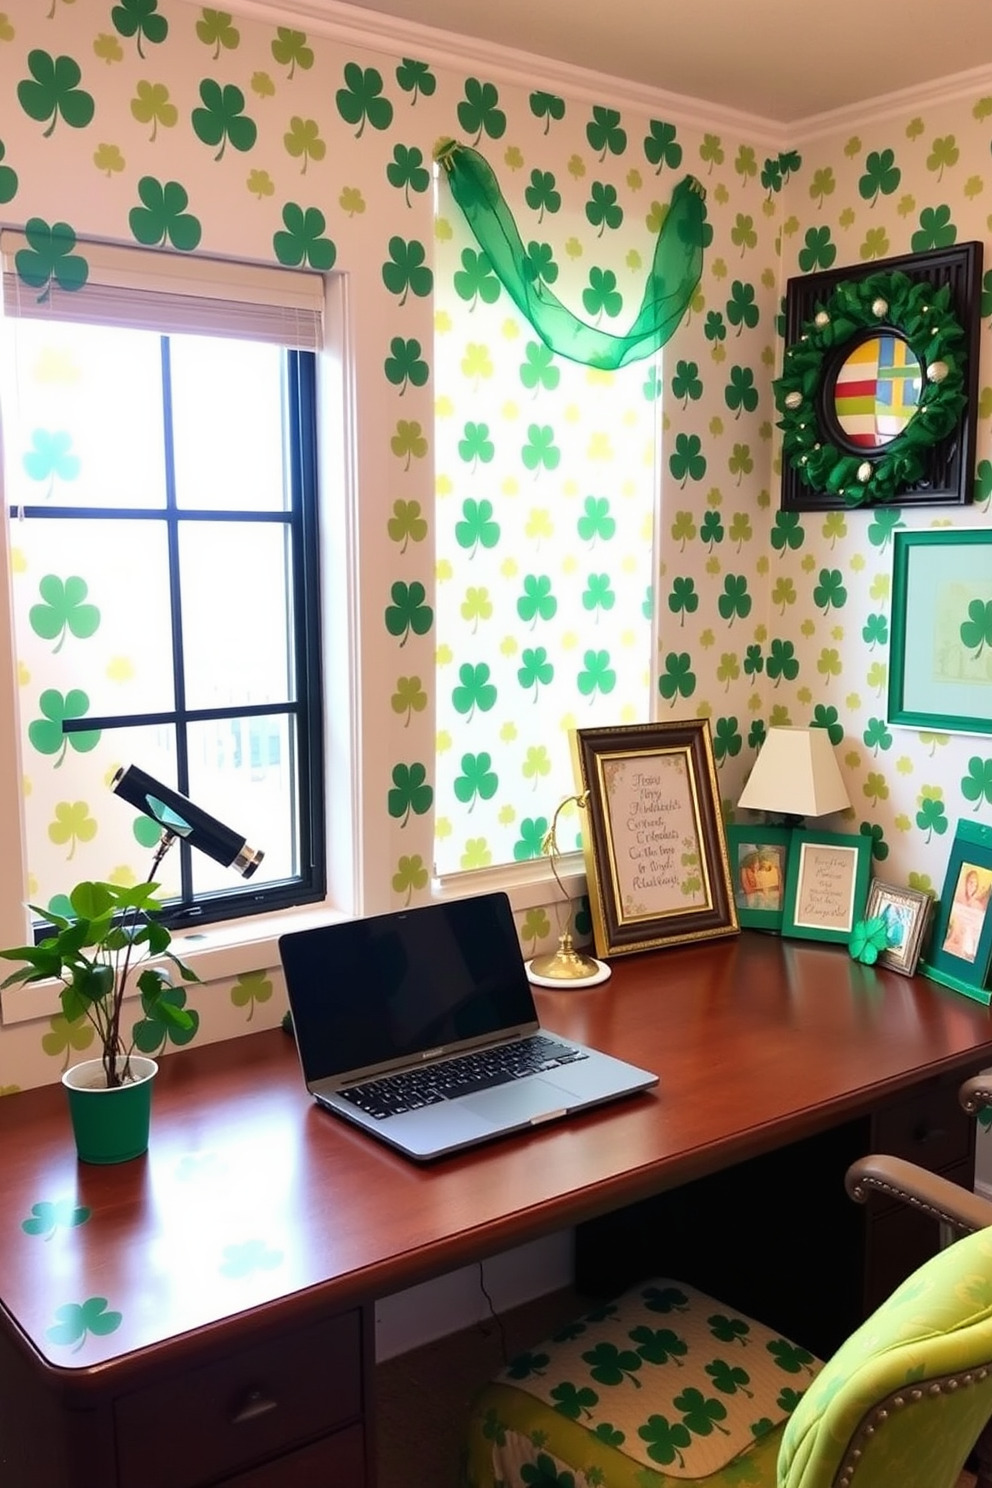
pixel 110 1125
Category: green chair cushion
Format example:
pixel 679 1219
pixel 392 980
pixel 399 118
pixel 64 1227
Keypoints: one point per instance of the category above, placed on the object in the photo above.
pixel 665 1377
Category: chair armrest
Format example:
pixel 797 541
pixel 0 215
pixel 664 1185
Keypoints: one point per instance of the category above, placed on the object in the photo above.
pixel 976 1093
pixel 929 1192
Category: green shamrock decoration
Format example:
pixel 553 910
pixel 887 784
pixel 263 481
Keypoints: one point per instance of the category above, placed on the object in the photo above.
pixel 868 939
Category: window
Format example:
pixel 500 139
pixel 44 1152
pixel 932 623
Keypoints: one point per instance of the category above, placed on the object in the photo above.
pixel 160 447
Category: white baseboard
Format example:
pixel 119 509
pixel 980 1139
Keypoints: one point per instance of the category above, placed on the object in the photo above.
pixel 420 1314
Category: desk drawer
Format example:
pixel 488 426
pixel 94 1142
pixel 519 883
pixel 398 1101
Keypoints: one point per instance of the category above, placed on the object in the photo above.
pixel 241 1410
pixel 928 1128
pixel 338 1462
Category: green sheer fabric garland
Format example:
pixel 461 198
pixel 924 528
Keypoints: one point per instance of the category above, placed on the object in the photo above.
pixel 672 278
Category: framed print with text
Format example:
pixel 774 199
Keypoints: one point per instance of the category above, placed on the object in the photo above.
pixel 961 947
pixel 940 660
pixel 759 858
pixel 826 885
pixel 653 840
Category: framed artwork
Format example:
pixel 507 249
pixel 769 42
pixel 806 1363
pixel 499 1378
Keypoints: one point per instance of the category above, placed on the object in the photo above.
pixel 826 884
pixel 653 841
pixel 906 913
pixel 878 393
pixel 940 660
pixel 961 947
pixel 759 858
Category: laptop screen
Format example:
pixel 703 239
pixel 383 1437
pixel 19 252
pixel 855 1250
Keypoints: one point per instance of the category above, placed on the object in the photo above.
pixel 388 987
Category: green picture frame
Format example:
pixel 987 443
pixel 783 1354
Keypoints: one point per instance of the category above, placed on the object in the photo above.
pixel 939 673
pixel 960 952
pixel 759 861
pixel 826 884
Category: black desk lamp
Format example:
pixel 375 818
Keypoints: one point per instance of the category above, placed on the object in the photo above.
pixel 178 817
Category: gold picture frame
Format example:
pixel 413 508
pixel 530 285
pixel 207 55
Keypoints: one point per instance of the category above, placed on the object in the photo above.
pixel 654 844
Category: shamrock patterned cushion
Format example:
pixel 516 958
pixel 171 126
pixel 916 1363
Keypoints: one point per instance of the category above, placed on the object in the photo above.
pixel 665 1383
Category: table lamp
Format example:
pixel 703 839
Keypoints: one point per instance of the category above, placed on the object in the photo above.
pixel 565 966
pixel 796 775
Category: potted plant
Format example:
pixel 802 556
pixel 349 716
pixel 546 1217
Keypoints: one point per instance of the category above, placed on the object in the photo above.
pixel 94 952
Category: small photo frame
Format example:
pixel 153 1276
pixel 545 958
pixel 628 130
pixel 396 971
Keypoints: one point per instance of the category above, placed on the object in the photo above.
pixel 961 948
pixel 906 913
pixel 653 840
pixel 759 857
pixel 826 885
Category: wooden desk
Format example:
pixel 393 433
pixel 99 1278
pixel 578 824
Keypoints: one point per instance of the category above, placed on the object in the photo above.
pixel 229 1275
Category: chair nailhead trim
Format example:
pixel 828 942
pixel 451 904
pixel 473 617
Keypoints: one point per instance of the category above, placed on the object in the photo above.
pixel 880 1414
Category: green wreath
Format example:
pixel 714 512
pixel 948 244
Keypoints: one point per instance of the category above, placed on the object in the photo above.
pixel 923 316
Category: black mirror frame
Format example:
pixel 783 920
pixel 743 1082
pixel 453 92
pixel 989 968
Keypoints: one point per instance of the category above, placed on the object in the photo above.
pixel 930 300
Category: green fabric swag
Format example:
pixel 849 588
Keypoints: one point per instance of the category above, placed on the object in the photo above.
pixel 672 279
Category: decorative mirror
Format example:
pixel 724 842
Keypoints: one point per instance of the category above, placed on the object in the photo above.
pixel 879 383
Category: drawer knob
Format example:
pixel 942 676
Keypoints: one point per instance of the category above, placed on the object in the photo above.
pixel 256 1404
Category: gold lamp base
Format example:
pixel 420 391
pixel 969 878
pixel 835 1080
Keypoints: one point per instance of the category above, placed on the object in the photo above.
pixel 566 964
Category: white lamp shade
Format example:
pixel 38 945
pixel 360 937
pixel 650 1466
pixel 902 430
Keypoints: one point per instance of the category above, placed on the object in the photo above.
pixel 797 774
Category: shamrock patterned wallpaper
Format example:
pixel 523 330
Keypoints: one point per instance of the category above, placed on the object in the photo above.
pixel 199 131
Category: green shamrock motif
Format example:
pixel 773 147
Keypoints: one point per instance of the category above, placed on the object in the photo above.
pixel 790 1357
pixel 727 739
pixel 251 988
pixel 659 1345
pixel 711 530
pixel 597 674
pixel 678 679
pixel 408 611
pixel 140 18
pixel 602 209
pixel 819 252
pixel 665 1439
pixel 63 611
pixel 77 1319
pixel 405 364
pixel 250 1256
pixel 936 230
pixel 976 631
pixel 159 1027
pixel 537 601
pixel 416 78
pixel 407 171
pixel 48 1216
pixel 73 823
pixel 574 1401
pixel 526 1365
pixel 49 255
pixel 538 370
pixel 547 106
pixel 598 593
pixel 477 780
pixel 932 816
pixel 65 1037
pixel 781 662
pixel 544 1474
pixel 475 691
pixel 881 177
pixel 50 459
pixel 609 1365
pixel 216 29
pixel 406 273
pixel 46 733
pixel 303 142
pixel 409 442
pixel 740 392
pixel 411 876
pixel 475 279
pixel 687 461
pixel 830 593
pixel 701 1414
pixel 538 265
pixel 604 132
pixel 596 524
pixel 222 118
pixel 291 49
pixel 868 939
pixel 8 179
pixel 476 447
pixel 540 449
pixel 53 91
pixel 410 792
pixel 360 101
pixel 479 111
pixel 303 241
pixel 729 1378
pixel 977 784
pixel 162 217
pixel 478 528
pixel 661 146
pixel 530 843
pixel 542 195
pixel 728 1329
pixel 828 718
pixel 409 698
pixel 602 297
pixel 735 599
pixel 407 524
pixel 665 1299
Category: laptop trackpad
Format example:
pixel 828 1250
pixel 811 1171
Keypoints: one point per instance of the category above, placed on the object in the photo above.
pixel 520 1100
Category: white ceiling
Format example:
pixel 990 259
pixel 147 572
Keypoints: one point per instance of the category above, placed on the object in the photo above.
pixel 779 60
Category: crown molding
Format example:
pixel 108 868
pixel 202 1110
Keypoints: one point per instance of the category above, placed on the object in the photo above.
pixel 358 27
pixel 955 88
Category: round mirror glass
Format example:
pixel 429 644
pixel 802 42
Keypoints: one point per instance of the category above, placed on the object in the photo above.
pixel 877 390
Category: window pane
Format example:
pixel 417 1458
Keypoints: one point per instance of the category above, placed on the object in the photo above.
pixel 243 771
pixel 227 410
pixel 235 603
pixel 83 416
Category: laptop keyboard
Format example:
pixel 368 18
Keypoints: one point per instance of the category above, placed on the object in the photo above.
pixel 450 1078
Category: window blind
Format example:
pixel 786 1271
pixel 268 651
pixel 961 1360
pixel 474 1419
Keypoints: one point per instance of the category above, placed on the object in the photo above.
pixel 155 290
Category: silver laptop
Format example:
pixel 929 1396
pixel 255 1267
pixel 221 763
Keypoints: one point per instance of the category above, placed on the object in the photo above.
pixel 420 1027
